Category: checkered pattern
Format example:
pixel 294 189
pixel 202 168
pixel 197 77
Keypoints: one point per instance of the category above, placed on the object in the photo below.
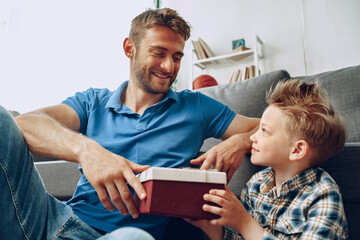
pixel 309 206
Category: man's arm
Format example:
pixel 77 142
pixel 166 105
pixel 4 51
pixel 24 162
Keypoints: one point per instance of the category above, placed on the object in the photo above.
pixel 227 155
pixel 53 132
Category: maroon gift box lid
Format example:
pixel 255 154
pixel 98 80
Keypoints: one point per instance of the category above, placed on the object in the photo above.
pixel 182 175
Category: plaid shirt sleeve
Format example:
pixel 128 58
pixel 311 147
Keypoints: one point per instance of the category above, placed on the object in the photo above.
pixel 326 216
pixel 326 220
pixel 229 235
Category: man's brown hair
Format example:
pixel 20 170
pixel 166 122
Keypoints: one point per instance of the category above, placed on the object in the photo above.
pixel 165 17
pixel 310 116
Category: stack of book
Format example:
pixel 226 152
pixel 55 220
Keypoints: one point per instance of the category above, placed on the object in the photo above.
pixel 201 49
pixel 242 74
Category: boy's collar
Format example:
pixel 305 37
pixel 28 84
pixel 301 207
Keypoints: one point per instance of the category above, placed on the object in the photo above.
pixel 302 179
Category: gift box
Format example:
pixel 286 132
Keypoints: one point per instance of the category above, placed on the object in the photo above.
pixel 178 192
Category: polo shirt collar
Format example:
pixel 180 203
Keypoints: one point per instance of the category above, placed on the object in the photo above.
pixel 115 103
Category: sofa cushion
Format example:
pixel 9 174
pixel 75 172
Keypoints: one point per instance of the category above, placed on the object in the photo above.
pixel 343 167
pixel 60 177
pixel 343 88
pixel 243 175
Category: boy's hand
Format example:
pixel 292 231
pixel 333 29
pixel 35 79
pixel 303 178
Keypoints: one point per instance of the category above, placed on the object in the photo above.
pixel 232 213
pixel 213 232
pixel 230 209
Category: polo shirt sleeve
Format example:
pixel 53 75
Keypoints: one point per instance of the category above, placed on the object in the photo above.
pixel 81 102
pixel 216 116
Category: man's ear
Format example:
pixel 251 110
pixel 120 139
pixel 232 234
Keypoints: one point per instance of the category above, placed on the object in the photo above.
pixel 129 48
pixel 300 150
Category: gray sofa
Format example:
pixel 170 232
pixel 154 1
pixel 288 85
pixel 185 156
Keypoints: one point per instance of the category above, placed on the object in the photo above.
pixel 248 98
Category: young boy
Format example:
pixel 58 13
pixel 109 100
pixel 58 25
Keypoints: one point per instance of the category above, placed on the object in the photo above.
pixel 293 198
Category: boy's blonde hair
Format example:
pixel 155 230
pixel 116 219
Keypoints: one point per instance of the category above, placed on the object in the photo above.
pixel 310 116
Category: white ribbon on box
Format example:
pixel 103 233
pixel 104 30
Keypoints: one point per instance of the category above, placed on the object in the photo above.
pixel 182 175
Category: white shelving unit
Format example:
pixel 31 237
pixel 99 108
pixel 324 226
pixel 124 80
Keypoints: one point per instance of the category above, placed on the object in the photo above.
pixel 236 58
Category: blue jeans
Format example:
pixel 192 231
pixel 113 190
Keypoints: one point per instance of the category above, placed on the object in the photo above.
pixel 28 211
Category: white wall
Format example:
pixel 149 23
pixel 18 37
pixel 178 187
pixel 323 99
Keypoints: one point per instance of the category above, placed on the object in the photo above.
pixel 304 37
pixel 332 34
pixel 51 49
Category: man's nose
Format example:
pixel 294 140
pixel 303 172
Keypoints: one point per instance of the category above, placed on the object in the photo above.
pixel 168 65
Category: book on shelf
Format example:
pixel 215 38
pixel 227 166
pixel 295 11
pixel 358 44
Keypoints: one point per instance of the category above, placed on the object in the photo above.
pixel 202 50
pixel 252 71
pixel 231 80
pixel 245 73
pixel 206 48
pixel 197 52
pixel 235 77
pixel 242 74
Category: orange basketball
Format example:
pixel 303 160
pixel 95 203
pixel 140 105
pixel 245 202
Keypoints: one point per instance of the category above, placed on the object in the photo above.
pixel 204 81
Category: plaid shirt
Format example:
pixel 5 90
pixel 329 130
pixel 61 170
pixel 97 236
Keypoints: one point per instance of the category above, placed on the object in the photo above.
pixel 309 206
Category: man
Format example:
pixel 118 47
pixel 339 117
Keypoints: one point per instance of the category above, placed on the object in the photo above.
pixel 142 123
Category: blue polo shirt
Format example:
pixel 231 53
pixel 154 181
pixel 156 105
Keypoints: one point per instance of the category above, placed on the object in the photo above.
pixel 168 134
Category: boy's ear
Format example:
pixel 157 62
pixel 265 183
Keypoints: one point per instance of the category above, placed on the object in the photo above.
pixel 129 48
pixel 300 149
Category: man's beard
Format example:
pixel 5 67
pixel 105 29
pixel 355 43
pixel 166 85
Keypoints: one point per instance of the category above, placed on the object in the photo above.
pixel 144 80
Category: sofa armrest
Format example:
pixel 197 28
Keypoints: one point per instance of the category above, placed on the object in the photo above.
pixel 60 177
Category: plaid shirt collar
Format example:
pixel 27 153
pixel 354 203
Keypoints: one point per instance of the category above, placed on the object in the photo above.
pixel 304 178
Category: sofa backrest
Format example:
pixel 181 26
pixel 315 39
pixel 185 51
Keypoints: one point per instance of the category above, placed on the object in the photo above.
pixel 343 88
pixel 246 97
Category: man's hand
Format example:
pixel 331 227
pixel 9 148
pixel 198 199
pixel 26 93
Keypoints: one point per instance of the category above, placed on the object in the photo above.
pixel 108 173
pixel 226 156
pixel 53 132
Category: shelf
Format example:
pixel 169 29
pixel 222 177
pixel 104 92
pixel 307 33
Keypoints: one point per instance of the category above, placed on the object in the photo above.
pixel 233 60
pixel 223 59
